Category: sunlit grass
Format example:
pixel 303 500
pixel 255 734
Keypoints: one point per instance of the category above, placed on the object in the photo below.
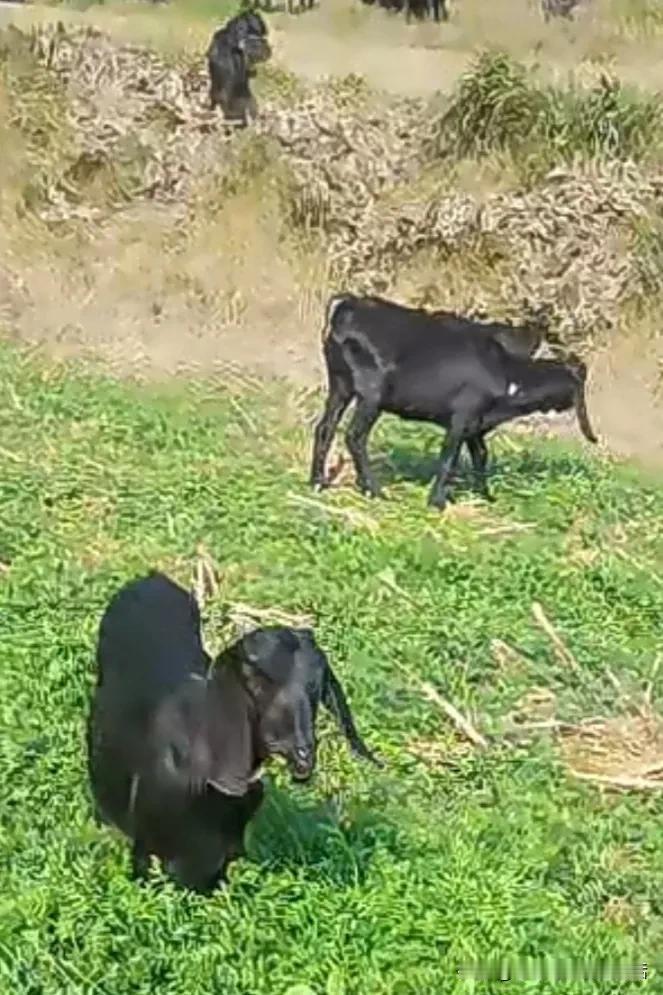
pixel 379 882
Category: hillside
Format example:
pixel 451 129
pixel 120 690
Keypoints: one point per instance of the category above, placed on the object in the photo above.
pixel 517 191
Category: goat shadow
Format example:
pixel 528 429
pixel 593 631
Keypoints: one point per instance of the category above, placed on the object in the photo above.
pixel 327 837
pixel 405 464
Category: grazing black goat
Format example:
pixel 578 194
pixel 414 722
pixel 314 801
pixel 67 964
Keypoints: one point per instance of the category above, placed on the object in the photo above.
pixel 176 743
pixel 233 53
pixel 558 8
pixel 421 9
pixel 434 367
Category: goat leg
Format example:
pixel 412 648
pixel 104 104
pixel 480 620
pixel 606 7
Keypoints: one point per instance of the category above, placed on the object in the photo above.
pixel 98 816
pixel 479 455
pixel 364 418
pixel 448 459
pixel 325 430
pixel 140 861
pixel 246 808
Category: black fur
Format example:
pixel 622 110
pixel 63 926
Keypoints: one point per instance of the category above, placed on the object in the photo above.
pixel 234 52
pixel 176 743
pixel 466 376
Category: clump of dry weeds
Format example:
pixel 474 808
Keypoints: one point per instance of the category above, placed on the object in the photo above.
pixel 622 752
pixel 625 752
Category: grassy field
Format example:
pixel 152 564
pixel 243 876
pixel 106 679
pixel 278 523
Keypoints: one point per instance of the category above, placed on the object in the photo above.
pixel 364 882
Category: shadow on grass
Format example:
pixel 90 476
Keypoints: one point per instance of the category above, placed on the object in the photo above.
pixel 289 833
pixel 405 464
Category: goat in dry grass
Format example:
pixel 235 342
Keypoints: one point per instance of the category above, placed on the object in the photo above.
pixel 558 8
pixel 421 9
pixel 233 53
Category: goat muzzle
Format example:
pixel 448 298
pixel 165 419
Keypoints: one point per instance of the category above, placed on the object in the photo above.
pixel 301 764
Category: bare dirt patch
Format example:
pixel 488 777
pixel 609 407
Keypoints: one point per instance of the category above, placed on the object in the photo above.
pixel 339 37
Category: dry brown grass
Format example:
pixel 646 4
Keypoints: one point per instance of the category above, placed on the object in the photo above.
pixel 343 36
pixel 625 752
pixel 343 166
pixel 622 752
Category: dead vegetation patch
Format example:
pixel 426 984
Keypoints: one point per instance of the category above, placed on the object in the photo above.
pixel 623 752
pixel 106 125
pixel 138 229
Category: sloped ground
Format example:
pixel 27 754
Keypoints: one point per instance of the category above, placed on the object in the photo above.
pixel 352 168
pixel 152 236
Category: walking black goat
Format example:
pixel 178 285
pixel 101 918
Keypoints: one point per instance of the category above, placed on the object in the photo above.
pixel 232 56
pixel 465 376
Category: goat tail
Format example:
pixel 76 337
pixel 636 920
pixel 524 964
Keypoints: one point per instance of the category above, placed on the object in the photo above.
pixel 333 304
pixel 583 416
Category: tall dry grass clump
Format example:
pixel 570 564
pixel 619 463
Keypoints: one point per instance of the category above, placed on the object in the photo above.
pixel 500 107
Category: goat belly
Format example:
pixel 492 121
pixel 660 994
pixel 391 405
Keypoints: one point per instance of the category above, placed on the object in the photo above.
pixel 418 413
pixel 418 401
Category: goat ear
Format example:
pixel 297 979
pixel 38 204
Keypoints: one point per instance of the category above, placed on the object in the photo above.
pixel 333 698
pixel 228 786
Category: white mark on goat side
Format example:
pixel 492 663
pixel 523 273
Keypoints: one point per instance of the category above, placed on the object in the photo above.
pixel 512 389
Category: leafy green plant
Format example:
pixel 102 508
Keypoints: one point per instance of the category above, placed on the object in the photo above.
pixel 607 121
pixel 499 107
pixel 363 882
pixel 494 107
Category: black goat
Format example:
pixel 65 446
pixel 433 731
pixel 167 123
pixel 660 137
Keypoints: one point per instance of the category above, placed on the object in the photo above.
pixel 233 53
pixel 518 340
pixel 298 5
pixel 421 9
pixel 176 743
pixel 464 376
pixel 558 8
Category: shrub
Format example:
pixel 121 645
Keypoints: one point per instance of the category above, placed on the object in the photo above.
pixel 493 108
pixel 498 106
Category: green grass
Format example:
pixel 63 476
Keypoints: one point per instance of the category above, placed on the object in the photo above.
pixel 200 9
pixel 366 882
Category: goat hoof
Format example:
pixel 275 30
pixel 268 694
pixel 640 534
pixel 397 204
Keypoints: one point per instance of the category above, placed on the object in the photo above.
pixel 319 485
